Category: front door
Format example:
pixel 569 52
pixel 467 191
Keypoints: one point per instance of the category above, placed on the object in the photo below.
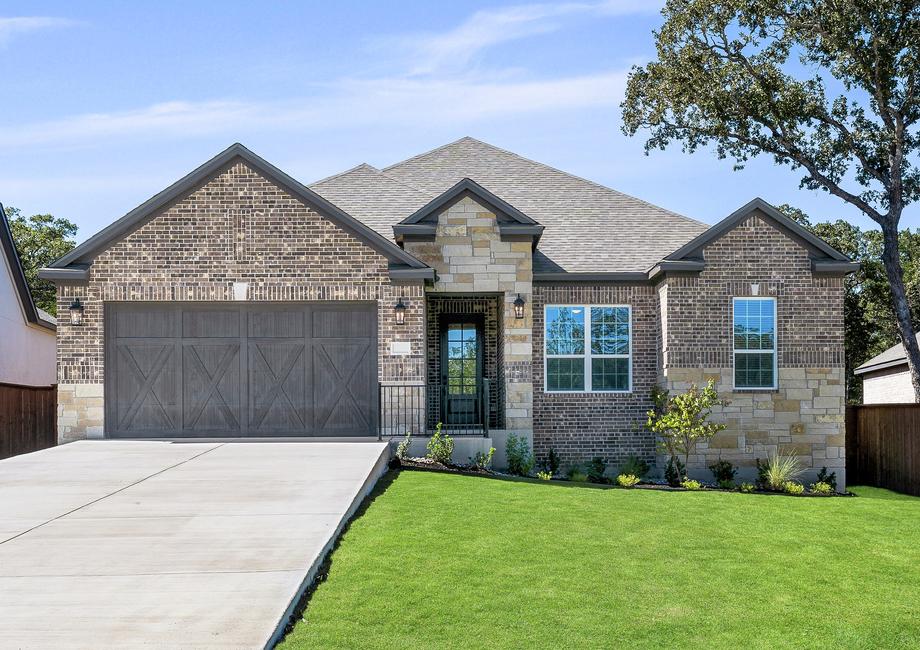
pixel 461 371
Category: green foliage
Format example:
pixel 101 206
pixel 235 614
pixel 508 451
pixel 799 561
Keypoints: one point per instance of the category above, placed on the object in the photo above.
pixel 402 449
pixel 552 463
pixel 674 471
pixel 481 459
pixel 440 446
pixel 723 472
pixel 595 469
pixel 746 487
pixel 40 239
pixel 822 488
pixel 726 484
pixel 520 459
pixel 683 420
pixel 635 466
pixel 627 480
pixel 793 487
pixel 577 475
pixel 544 476
pixel 829 478
pixel 779 471
pixel 690 484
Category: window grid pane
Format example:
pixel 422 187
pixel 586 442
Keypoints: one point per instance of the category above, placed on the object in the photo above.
pixel 609 330
pixel 610 373
pixel 565 374
pixel 565 330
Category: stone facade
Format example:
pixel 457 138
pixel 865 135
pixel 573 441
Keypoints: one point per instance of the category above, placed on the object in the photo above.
pixel 470 258
pixel 239 227
pixel 804 416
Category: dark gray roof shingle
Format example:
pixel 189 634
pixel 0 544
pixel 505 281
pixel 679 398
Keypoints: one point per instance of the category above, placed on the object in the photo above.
pixel 893 356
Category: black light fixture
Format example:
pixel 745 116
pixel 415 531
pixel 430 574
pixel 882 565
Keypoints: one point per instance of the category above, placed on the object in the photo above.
pixel 76 312
pixel 400 311
pixel 519 307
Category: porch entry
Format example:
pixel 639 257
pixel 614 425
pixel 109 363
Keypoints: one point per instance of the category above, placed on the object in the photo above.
pixel 462 380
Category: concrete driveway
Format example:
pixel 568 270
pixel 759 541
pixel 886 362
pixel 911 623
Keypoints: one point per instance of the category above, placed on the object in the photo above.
pixel 169 544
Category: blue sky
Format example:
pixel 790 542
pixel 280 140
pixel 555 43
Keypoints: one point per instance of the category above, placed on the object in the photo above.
pixel 105 104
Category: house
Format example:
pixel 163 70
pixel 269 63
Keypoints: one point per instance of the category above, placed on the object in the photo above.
pixel 886 379
pixel 468 286
pixel 27 334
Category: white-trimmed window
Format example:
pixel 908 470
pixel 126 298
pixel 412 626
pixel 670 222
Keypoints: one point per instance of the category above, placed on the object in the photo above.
pixel 754 335
pixel 588 348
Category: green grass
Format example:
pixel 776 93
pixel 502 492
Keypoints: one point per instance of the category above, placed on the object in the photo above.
pixel 447 561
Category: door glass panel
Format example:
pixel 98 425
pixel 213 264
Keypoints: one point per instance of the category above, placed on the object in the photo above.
pixel 462 350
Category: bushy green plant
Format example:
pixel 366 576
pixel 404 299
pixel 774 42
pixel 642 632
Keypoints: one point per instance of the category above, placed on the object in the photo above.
pixel 793 487
pixel 723 472
pixel 726 484
pixel 683 420
pixel 544 476
pixel 551 465
pixel 635 466
pixel 627 480
pixel 746 487
pixel 830 479
pixel 780 470
pixel 577 475
pixel 440 446
pixel 674 471
pixel 822 488
pixel 481 459
pixel 595 469
pixel 520 459
pixel 690 484
pixel 402 449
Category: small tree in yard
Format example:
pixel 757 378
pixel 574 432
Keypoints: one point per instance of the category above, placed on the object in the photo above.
pixel 682 421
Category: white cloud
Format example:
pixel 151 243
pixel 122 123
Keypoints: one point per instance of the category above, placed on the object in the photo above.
pixel 11 26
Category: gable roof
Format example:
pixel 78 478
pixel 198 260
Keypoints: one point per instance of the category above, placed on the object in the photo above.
pixel 500 207
pixel 33 314
pixel 588 228
pixel 88 250
pixel 890 358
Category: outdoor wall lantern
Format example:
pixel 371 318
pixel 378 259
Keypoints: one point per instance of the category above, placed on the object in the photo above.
pixel 519 307
pixel 76 312
pixel 400 311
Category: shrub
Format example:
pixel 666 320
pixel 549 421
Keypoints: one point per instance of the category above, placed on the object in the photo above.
pixel 674 471
pixel 576 475
pixel 780 470
pixel 440 447
pixel 690 484
pixel 635 466
pixel 793 487
pixel 830 479
pixel 551 466
pixel 402 449
pixel 481 459
pixel 726 484
pixel 520 460
pixel 747 488
pixel 544 476
pixel 595 469
pixel 822 488
pixel 627 480
pixel 723 472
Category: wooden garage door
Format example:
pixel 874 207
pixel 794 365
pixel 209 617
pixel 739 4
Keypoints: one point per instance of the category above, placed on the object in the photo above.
pixel 197 370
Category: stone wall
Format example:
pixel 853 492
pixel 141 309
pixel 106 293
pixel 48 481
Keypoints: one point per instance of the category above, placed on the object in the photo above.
pixel 237 227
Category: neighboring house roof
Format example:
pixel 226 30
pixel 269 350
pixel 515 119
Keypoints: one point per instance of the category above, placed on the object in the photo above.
pixel 588 228
pixel 33 314
pixel 890 358
pixel 76 261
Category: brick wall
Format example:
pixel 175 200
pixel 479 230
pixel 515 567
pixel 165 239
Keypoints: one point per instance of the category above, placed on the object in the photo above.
pixel 238 227
pixel 583 425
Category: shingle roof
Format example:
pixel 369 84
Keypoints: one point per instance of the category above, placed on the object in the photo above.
pixel 589 228
pixel 893 356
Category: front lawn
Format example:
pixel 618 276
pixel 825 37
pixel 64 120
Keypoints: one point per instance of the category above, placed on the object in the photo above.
pixel 442 560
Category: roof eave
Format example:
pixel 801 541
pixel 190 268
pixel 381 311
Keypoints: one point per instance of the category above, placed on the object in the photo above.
pixel 881 366
pixel 20 284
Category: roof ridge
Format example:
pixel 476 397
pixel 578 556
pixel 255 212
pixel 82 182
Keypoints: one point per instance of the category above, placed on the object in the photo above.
pixel 550 167
pixel 343 173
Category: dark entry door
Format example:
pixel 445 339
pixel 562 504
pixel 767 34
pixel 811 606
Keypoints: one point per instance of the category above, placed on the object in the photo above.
pixel 196 370
pixel 461 371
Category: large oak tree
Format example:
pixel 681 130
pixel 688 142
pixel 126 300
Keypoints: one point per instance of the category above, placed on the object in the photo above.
pixel 828 87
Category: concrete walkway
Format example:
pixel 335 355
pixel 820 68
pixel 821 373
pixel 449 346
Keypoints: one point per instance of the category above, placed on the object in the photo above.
pixel 169 544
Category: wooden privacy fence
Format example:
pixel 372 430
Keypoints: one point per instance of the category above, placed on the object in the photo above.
pixel 28 418
pixel 883 446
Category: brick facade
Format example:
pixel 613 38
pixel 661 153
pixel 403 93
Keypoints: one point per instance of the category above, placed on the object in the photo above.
pixel 238 227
